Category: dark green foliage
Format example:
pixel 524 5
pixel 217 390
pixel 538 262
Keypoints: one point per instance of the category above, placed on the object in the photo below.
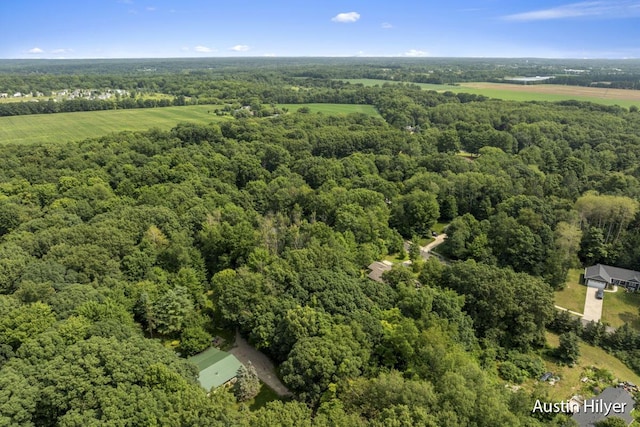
pixel 510 308
pixel 569 349
pixel 510 372
pixel 611 422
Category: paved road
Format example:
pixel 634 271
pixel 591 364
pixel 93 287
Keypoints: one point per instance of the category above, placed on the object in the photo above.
pixel 425 251
pixel 592 306
pixel 264 367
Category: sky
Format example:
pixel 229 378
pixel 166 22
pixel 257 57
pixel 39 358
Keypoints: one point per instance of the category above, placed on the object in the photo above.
pixel 234 28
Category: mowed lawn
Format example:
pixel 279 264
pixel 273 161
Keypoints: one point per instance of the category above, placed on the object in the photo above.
pixel 570 383
pixel 333 108
pixel 67 127
pixel 621 307
pixel 573 295
pixel 512 92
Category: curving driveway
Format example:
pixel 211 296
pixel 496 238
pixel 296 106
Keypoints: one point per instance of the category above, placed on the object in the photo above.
pixel 264 367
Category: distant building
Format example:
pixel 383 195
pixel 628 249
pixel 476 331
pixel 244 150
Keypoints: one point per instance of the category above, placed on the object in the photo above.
pixel 600 275
pixel 4 95
pixel 215 367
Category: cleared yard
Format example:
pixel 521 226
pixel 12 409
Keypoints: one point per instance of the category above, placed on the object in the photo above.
pixel 570 383
pixel 573 295
pixel 621 307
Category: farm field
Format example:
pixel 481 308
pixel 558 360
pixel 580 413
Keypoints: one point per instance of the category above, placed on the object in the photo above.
pixel 540 92
pixel 333 108
pixel 65 127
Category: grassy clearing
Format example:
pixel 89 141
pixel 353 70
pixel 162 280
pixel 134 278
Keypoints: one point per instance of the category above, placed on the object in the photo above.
pixel 520 92
pixel 265 396
pixel 573 295
pixel 439 227
pixel 590 356
pixel 67 127
pixel 621 307
pixel 334 108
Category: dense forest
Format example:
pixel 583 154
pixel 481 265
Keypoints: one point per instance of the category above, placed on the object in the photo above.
pixel 114 248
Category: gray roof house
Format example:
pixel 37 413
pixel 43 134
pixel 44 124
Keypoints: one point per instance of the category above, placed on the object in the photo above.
pixel 600 275
pixel 377 268
pixel 612 402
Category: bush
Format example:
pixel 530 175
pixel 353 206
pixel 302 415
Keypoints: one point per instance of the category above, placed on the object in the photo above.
pixel 510 372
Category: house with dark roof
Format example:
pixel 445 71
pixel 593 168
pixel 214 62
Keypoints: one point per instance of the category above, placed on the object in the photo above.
pixel 600 275
pixel 612 402
pixel 377 268
pixel 215 367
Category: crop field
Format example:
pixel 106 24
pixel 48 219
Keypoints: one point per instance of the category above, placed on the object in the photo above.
pixel 538 92
pixel 66 127
pixel 333 108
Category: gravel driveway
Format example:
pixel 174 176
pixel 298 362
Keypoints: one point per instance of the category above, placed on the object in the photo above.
pixel 264 367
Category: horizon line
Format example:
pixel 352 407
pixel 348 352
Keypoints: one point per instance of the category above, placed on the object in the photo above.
pixel 273 57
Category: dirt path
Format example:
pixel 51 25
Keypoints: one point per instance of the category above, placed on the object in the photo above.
pixel 264 367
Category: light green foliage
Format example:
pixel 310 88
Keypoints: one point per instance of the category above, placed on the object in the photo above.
pixel 569 349
pixel 247 384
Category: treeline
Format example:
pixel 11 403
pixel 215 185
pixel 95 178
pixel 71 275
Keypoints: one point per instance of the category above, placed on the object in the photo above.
pixel 73 105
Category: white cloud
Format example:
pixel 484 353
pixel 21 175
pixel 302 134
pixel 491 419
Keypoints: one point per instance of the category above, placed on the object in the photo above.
pixel 603 9
pixel 240 48
pixel 269 55
pixel 58 51
pixel 414 53
pixel 35 51
pixel 386 25
pixel 203 49
pixel 346 17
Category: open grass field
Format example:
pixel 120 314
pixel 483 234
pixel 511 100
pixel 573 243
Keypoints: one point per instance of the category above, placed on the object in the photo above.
pixel 67 127
pixel 570 383
pixel 538 92
pixel 573 295
pixel 265 396
pixel 333 108
pixel 621 307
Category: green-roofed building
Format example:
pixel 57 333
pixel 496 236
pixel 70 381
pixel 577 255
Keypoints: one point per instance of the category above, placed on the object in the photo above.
pixel 215 367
